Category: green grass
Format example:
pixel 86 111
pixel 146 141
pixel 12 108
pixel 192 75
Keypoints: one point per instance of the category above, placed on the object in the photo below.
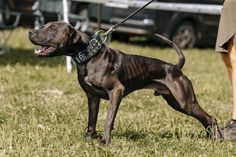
pixel 44 111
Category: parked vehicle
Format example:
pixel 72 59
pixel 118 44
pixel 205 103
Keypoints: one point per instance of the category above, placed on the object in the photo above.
pixel 187 29
pixel 45 10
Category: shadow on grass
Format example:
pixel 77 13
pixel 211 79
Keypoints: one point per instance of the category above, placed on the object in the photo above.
pixel 139 135
pixel 178 135
pixel 27 57
pixel 132 135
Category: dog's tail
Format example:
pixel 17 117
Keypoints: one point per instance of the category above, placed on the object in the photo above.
pixel 181 62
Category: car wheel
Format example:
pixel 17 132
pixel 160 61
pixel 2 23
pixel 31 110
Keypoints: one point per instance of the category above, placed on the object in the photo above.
pixel 185 35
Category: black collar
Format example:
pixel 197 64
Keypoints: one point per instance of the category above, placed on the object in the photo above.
pixel 91 50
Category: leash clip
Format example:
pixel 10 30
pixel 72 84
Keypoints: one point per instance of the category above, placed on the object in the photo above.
pixel 101 35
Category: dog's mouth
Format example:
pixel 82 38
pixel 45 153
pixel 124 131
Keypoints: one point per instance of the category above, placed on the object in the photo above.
pixel 44 51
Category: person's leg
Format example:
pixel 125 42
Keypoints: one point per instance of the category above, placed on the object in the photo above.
pixel 232 54
pixel 230 62
pixel 226 59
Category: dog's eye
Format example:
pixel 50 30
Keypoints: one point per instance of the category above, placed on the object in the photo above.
pixel 51 28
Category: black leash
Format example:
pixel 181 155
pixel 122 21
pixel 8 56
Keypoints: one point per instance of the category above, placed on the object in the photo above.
pixel 114 27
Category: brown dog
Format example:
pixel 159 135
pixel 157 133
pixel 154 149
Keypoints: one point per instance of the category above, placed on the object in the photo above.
pixel 104 73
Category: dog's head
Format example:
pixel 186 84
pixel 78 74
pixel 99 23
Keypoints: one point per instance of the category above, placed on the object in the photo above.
pixel 56 38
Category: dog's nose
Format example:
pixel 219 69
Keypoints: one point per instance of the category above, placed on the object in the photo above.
pixel 31 33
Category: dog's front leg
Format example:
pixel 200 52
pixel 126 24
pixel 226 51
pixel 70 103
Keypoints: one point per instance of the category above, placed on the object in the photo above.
pixel 115 96
pixel 93 107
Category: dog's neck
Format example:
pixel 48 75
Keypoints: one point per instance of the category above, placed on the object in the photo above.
pixel 82 44
pixel 89 47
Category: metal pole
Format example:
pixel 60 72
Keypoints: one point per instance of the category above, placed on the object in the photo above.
pixel 66 19
pixel 99 15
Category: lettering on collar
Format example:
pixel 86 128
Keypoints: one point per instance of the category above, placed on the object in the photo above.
pixel 92 49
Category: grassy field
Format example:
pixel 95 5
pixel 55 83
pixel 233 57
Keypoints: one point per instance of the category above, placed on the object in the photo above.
pixel 44 112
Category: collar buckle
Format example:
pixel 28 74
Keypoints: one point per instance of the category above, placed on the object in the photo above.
pixel 93 47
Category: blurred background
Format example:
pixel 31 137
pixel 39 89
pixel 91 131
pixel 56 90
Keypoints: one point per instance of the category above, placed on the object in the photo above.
pixel 189 23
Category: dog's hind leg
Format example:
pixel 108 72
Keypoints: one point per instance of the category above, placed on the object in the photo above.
pixel 183 99
pixel 93 107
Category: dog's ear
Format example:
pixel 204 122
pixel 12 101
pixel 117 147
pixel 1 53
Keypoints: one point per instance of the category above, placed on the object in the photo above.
pixel 74 36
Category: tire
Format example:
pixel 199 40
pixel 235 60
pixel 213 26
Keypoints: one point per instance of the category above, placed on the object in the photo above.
pixel 185 35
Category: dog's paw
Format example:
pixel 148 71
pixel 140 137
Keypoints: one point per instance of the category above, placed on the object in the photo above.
pixel 105 142
pixel 90 135
pixel 215 133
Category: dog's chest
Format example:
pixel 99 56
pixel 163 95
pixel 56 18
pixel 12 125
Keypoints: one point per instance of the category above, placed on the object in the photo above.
pixel 90 84
pixel 94 76
pixel 97 73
